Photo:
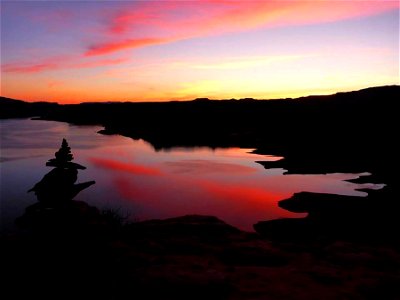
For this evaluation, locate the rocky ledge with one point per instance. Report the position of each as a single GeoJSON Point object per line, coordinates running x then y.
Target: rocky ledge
{"type": "Point", "coordinates": [96, 256]}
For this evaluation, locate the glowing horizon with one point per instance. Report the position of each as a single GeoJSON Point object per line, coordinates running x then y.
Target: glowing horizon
{"type": "Point", "coordinates": [72, 52]}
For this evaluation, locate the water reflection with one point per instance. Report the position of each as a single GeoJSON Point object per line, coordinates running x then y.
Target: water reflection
{"type": "Point", "coordinates": [227, 183]}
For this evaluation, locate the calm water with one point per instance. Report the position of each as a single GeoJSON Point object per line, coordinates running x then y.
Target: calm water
{"type": "Point", "coordinates": [131, 176]}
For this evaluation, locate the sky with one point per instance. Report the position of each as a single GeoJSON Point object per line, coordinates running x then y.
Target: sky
{"type": "Point", "coordinates": [78, 51]}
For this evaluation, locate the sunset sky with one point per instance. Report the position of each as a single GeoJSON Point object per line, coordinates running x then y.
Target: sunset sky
{"type": "Point", "coordinates": [72, 51]}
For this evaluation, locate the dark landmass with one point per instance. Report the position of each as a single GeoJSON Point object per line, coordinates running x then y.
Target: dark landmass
{"type": "Point", "coordinates": [11, 108]}
{"type": "Point", "coordinates": [75, 251]}
{"type": "Point", "coordinates": [334, 217]}
{"type": "Point", "coordinates": [345, 132]}
{"type": "Point", "coordinates": [342, 123]}
{"type": "Point", "coordinates": [346, 248]}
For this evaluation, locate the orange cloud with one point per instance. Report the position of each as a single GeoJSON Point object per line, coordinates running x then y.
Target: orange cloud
{"type": "Point", "coordinates": [54, 83]}
{"type": "Point", "coordinates": [172, 22]}
{"type": "Point", "coordinates": [125, 167]}
{"type": "Point", "coordinates": [100, 63]}
{"type": "Point", "coordinates": [28, 68]}
{"type": "Point", "coordinates": [57, 63]}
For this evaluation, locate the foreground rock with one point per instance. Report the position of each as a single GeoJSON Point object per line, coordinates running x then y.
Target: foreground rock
{"type": "Point", "coordinates": [189, 257]}
{"type": "Point", "coordinates": [367, 219]}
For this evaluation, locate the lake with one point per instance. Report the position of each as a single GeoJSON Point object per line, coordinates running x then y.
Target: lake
{"type": "Point", "coordinates": [134, 178]}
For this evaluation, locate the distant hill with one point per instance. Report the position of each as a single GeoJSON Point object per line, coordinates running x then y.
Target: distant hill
{"type": "Point", "coordinates": [11, 108]}
{"type": "Point", "coordinates": [352, 119]}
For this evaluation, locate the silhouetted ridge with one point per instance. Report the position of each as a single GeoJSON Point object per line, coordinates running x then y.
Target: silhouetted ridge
{"type": "Point", "coordinates": [11, 108]}
{"type": "Point", "coordinates": [340, 132]}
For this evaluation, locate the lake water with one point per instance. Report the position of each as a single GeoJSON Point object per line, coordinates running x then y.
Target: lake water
{"type": "Point", "coordinates": [146, 184]}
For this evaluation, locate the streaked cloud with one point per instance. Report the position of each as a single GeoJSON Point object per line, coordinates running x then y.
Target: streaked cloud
{"type": "Point", "coordinates": [122, 45]}
{"type": "Point", "coordinates": [58, 63]}
{"type": "Point", "coordinates": [186, 20]}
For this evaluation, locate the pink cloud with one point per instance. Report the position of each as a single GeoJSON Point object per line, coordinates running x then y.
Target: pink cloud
{"type": "Point", "coordinates": [162, 22]}
{"type": "Point", "coordinates": [28, 68]}
{"type": "Point", "coordinates": [168, 22]}
{"type": "Point", "coordinates": [125, 44]}
{"type": "Point", "coordinates": [146, 14]}
{"type": "Point", "coordinates": [57, 63]}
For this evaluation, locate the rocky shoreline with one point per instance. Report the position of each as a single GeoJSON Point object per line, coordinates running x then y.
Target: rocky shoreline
{"type": "Point", "coordinates": [91, 256]}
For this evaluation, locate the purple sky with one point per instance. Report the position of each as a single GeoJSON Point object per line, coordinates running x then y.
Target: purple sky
{"type": "Point", "coordinates": [72, 51]}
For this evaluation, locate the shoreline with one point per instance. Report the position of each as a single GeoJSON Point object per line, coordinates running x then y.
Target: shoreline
{"type": "Point", "coordinates": [190, 256]}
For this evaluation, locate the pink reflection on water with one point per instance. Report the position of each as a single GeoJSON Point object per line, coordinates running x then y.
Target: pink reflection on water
{"type": "Point", "coordinates": [199, 166]}
{"type": "Point", "coordinates": [227, 183]}
{"type": "Point", "coordinates": [124, 167]}
{"type": "Point", "coordinates": [131, 175]}
{"type": "Point", "coordinates": [173, 196]}
{"type": "Point", "coordinates": [224, 182]}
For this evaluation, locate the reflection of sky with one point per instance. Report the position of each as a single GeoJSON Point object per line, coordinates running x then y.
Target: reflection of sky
{"type": "Point", "coordinates": [24, 138]}
{"type": "Point", "coordinates": [130, 175]}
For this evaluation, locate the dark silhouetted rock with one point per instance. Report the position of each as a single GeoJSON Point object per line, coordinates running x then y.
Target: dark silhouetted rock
{"type": "Point", "coordinates": [67, 217]}
{"type": "Point", "coordinates": [293, 229]}
{"type": "Point", "coordinates": [63, 158]}
{"type": "Point", "coordinates": [318, 203]}
{"type": "Point", "coordinates": [58, 185]}
{"type": "Point", "coordinates": [191, 225]}
{"type": "Point", "coordinates": [335, 217]}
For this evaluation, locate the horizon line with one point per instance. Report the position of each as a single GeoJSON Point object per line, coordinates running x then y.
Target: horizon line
{"type": "Point", "coordinates": [204, 98]}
